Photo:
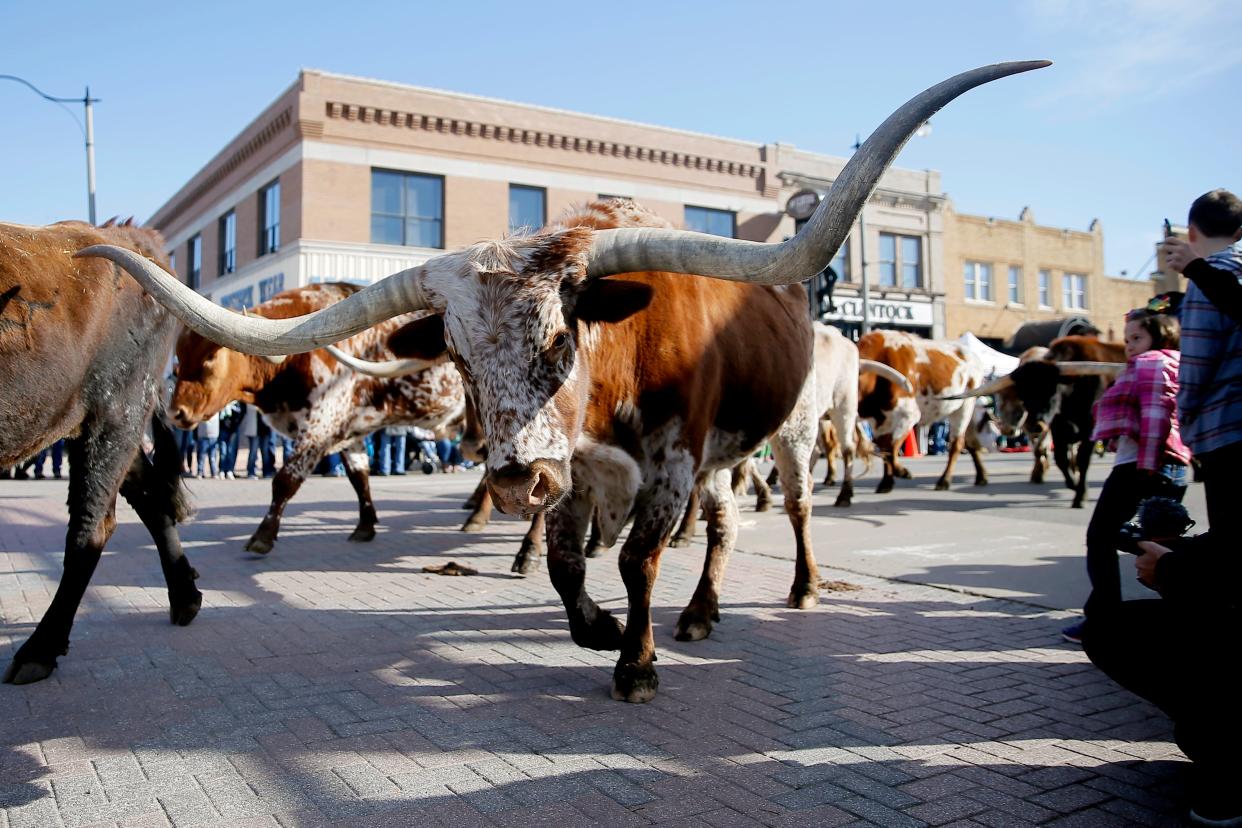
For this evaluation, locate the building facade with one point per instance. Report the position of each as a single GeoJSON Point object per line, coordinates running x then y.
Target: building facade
{"type": "Point", "coordinates": [1002, 274]}
{"type": "Point", "coordinates": [350, 179]}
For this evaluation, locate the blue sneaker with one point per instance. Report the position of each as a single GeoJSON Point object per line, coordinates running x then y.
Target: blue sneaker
{"type": "Point", "coordinates": [1073, 633]}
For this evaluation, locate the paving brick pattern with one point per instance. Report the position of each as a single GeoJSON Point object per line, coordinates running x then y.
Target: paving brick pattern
{"type": "Point", "coordinates": [335, 683]}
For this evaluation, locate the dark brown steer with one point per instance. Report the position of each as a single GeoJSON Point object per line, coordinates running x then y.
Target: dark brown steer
{"type": "Point", "coordinates": [82, 356]}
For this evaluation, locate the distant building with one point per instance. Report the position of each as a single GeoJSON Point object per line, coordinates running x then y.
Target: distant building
{"type": "Point", "coordinates": [1005, 273]}
{"type": "Point", "coordinates": [350, 179]}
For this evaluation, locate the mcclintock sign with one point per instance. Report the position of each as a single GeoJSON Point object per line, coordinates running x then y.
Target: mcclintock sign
{"type": "Point", "coordinates": [884, 311]}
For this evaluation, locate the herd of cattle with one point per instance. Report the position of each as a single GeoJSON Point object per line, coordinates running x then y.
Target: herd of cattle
{"type": "Point", "coordinates": [597, 402]}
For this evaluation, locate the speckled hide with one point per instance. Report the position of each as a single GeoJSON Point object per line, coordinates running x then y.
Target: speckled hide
{"type": "Point", "coordinates": [935, 370]}
{"type": "Point", "coordinates": [321, 404]}
{"type": "Point", "coordinates": [82, 354]}
{"type": "Point", "coordinates": [615, 397]}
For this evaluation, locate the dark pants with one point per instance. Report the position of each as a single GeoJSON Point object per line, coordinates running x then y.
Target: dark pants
{"type": "Point", "coordinates": [254, 445]}
{"type": "Point", "coordinates": [1219, 471]}
{"type": "Point", "coordinates": [228, 450]}
{"type": "Point", "coordinates": [1123, 491]}
{"type": "Point", "coordinates": [1180, 659]}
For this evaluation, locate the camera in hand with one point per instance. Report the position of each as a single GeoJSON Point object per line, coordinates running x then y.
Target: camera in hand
{"type": "Point", "coordinates": [1158, 518]}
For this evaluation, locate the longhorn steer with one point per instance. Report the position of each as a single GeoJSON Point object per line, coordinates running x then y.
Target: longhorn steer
{"type": "Point", "coordinates": [1057, 391]}
{"type": "Point", "coordinates": [934, 370]}
{"type": "Point", "coordinates": [621, 392]}
{"type": "Point", "coordinates": [82, 356]}
{"type": "Point", "coordinates": [314, 399]}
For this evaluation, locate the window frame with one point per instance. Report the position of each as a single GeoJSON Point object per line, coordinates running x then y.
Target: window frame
{"type": "Point", "coordinates": [1074, 285]}
{"type": "Point", "coordinates": [1014, 286]}
{"type": "Point", "coordinates": [404, 175]}
{"type": "Point", "coordinates": [898, 262]}
{"type": "Point", "coordinates": [269, 234]}
{"type": "Point", "coordinates": [709, 212]}
{"type": "Point", "coordinates": [1044, 285]}
{"type": "Point", "coordinates": [971, 281]}
{"type": "Point", "coordinates": [194, 263]}
{"type": "Point", "coordinates": [543, 207]}
{"type": "Point", "coordinates": [226, 255]}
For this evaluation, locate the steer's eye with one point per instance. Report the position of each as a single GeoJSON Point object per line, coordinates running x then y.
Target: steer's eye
{"type": "Point", "coordinates": [559, 343]}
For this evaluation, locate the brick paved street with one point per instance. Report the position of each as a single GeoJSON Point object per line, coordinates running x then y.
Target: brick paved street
{"type": "Point", "coordinates": [335, 683]}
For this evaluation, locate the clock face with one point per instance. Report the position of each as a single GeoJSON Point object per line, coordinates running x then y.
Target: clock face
{"type": "Point", "coordinates": [802, 204]}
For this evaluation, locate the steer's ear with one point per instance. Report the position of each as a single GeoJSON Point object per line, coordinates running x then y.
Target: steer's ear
{"type": "Point", "coordinates": [420, 339]}
{"type": "Point", "coordinates": [611, 300]}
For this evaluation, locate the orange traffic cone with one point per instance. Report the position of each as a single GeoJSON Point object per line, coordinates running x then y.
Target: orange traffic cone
{"type": "Point", "coordinates": [910, 448]}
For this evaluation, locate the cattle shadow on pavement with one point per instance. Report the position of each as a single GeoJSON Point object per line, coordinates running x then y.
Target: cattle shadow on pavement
{"type": "Point", "coordinates": [329, 682]}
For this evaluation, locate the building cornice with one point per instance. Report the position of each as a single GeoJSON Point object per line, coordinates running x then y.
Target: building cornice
{"type": "Point", "coordinates": [383, 118]}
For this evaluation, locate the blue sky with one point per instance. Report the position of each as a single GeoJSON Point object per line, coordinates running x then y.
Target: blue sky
{"type": "Point", "coordinates": [1139, 114]}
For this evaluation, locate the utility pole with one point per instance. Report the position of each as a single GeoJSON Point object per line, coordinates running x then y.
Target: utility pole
{"type": "Point", "coordinates": [88, 132]}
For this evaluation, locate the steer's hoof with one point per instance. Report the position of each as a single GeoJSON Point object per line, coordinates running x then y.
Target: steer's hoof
{"type": "Point", "coordinates": [680, 541]}
{"type": "Point", "coordinates": [633, 683]}
{"type": "Point", "coordinates": [181, 611]}
{"type": "Point", "coordinates": [846, 496]}
{"type": "Point", "coordinates": [1077, 504]}
{"type": "Point", "coordinates": [981, 481]}
{"type": "Point", "coordinates": [803, 597]}
{"type": "Point", "coordinates": [942, 485]}
{"type": "Point", "coordinates": [474, 525]}
{"type": "Point", "coordinates": [28, 672]}
{"type": "Point", "coordinates": [604, 633]}
{"type": "Point", "coordinates": [886, 486]}
{"type": "Point", "coordinates": [694, 624]}
{"type": "Point", "coordinates": [258, 545]}
{"type": "Point", "coordinates": [903, 473]}
{"type": "Point", "coordinates": [363, 534]}
{"type": "Point", "coordinates": [527, 559]}
{"type": "Point", "coordinates": [594, 549]}
{"type": "Point", "coordinates": [763, 504]}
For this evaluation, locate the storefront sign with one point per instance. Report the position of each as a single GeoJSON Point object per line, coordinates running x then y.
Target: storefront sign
{"type": "Point", "coordinates": [884, 311]}
{"type": "Point", "coordinates": [802, 204]}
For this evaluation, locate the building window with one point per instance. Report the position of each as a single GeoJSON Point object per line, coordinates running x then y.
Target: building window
{"type": "Point", "coordinates": [715, 222]}
{"type": "Point", "coordinates": [269, 218]}
{"type": "Point", "coordinates": [978, 281]}
{"type": "Point", "coordinates": [172, 261]}
{"type": "Point", "coordinates": [841, 262]}
{"type": "Point", "coordinates": [1015, 285]}
{"type": "Point", "coordinates": [901, 261]}
{"type": "Point", "coordinates": [227, 227]}
{"type": "Point", "coordinates": [1074, 291]}
{"type": "Point", "coordinates": [1045, 289]}
{"type": "Point", "coordinates": [407, 208]}
{"type": "Point", "coordinates": [194, 261]}
{"type": "Point", "coordinates": [527, 208]}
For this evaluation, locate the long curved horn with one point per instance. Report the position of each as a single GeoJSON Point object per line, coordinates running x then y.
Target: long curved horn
{"type": "Point", "coordinates": [632, 250]}
{"type": "Point", "coordinates": [274, 360]}
{"type": "Point", "coordinates": [399, 293]}
{"type": "Point", "coordinates": [1090, 369]}
{"type": "Point", "coordinates": [386, 370]}
{"type": "Point", "coordinates": [887, 371]}
{"type": "Point", "coordinates": [989, 387]}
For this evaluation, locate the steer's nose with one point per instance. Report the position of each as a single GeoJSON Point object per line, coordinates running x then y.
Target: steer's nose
{"type": "Point", "coordinates": [525, 490]}
{"type": "Point", "coordinates": [180, 416]}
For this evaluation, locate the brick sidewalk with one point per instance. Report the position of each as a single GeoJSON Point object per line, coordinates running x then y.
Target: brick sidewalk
{"type": "Point", "coordinates": [334, 683]}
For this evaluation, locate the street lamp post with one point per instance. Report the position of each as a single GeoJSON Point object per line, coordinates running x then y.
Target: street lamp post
{"type": "Point", "coordinates": [88, 132]}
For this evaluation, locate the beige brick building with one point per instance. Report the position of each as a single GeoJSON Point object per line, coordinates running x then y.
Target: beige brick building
{"type": "Point", "coordinates": [345, 178]}
{"type": "Point", "coordinates": [1002, 273]}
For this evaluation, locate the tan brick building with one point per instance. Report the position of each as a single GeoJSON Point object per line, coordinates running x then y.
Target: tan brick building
{"type": "Point", "coordinates": [345, 178]}
{"type": "Point", "coordinates": [1002, 273]}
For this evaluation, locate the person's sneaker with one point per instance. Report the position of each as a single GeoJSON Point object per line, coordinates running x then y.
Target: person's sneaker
{"type": "Point", "coordinates": [1073, 633]}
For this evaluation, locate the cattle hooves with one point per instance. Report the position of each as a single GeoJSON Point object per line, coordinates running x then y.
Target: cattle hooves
{"type": "Point", "coordinates": [472, 526]}
{"type": "Point", "coordinates": [981, 481]}
{"type": "Point", "coordinates": [594, 549]}
{"type": "Point", "coordinates": [27, 672]}
{"type": "Point", "coordinates": [634, 684]}
{"type": "Point", "coordinates": [527, 559]}
{"type": "Point", "coordinates": [844, 500]}
{"type": "Point", "coordinates": [259, 546]}
{"type": "Point", "coordinates": [679, 542]}
{"type": "Point", "coordinates": [803, 597]}
{"type": "Point", "coordinates": [182, 612]}
{"type": "Point", "coordinates": [363, 534]}
{"type": "Point", "coordinates": [942, 485]}
{"type": "Point", "coordinates": [886, 486]}
{"type": "Point", "coordinates": [693, 626]}
{"type": "Point", "coordinates": [903, 473]}
{"type": "Point", "coordinates": [1077, 504]}
{"type": "Point", "coordinates": [604, 633]}
{"type": "Point", "coordinates": [763, 505]}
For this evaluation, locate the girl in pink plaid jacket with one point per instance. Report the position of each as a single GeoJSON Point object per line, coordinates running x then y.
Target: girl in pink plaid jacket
{"type": "Point", "coordinates": [1138, 416]}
